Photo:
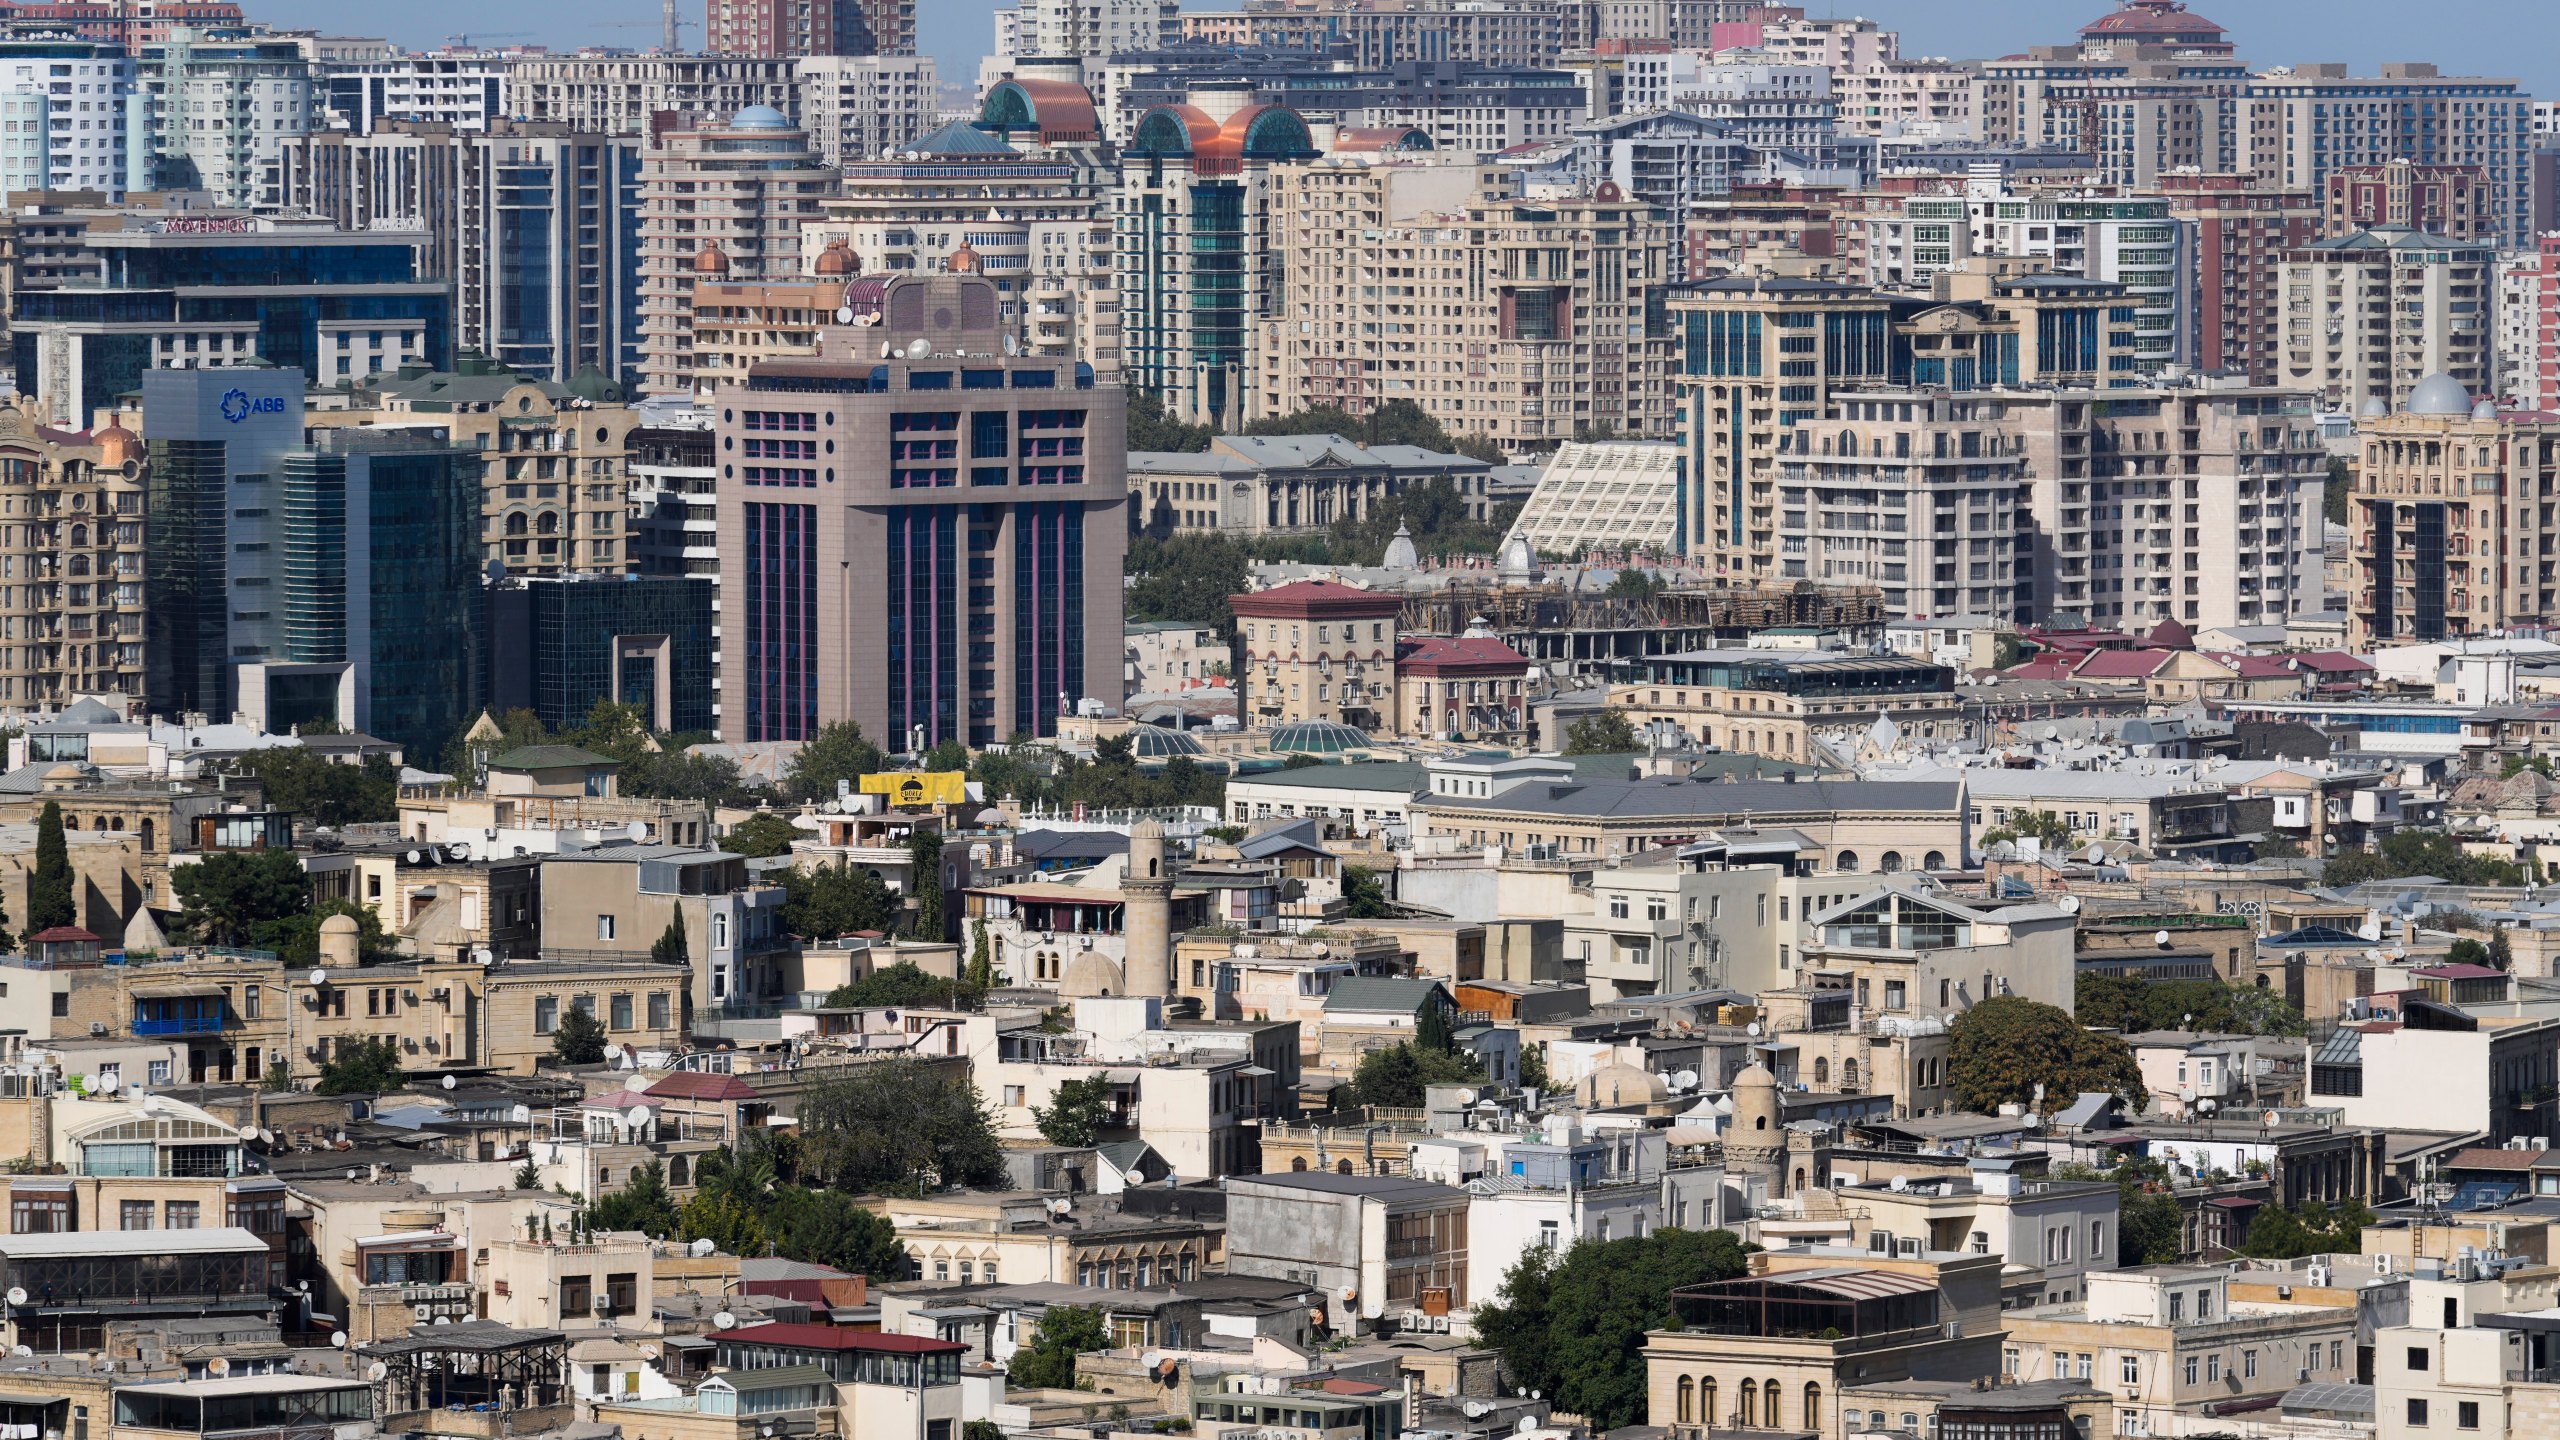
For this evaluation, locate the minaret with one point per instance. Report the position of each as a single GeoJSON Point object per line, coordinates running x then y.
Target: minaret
{"type": "Point", "coordinates": [1147, 917]}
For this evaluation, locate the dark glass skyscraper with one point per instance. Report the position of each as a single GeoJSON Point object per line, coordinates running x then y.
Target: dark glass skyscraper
{"type": "Point", "coordinates": [216, 441]}
{"type": "Point", "coordinates": [559, 643]}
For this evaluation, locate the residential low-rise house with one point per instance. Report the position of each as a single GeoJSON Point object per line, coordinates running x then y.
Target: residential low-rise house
{"type": "Point", "coordinates": [1376, 1245]}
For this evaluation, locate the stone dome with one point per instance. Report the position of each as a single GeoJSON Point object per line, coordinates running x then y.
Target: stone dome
{"type": "Point", "coordinates": [1519, 561]}
{"type": "Point", "coordinates": [1400, 552]}
{"type": "Point", "coordinates": [965, 261]}
{"type": "Point", "coordinates": [835, 260]}
{"type": "Point", "coordinates": [2374, 409]}
{"type": "Point", "coordinates": [2439, 394]}
{"type": "Point", "coordinates": [2485, 410]}
{"type": "Point", "coordinates": [340, 924]}
{"type": "Point", "coordinates": [759, 117]}
{"type": "Point", "coordinates": [711, 260]}
{"type": "Point", "coordinates": [116, 444]}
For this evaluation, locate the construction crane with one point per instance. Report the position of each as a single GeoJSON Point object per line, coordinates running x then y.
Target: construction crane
{"type": "Point", "coordinates": [463, 42]}
{"type": "Point", "coordinates": [667, 26]}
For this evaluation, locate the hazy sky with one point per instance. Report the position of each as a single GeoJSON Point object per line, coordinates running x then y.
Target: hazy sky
{"type": "Point", "coordinates": [2519, 38]}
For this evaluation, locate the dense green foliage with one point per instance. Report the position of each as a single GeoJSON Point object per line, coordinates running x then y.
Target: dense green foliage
{"type": "Point", "coordinates": [49, 890]}
{"type": "Point", "coordinates": [367, 1067]}
{"type": "Point", "coordinates": [1363, 894]}
{"type": "Point", "coordinates": [2040, 825]}
{"type": "Point", "coordinates": [2277, 1233]}
{"type": "Point", "coordinates": [1111, 780]}
{"type": "Point", "coordinates": [2150, 1229]}
{"type": "Point", "coordinates": [904, 986]}
{"type": "Point", "coordinates": [760, 1199]}
{"type": "Point", "coordinates": [239, 897]}
{"type": "Point", "coordinates": [642, 1204]}
{"type": "Point", "coordinates": [296, 938]}
{"type": "Point", "coordinates": [579, 1040]}
{"type": "Point", "coordinates": [924, 868]}
{"type": "Point", "coordinates": [1608, 732]}
{"type": "Point", "coordinates": [766, 832]}
{"type": "Point", "coordinates": [1573, 1326]}
{"type": "Point", "coordinates": [2421, 852]}
{"type": "Point", "coordinates": [839, 751]}
{"type": "Point", "coordinates": [1151, 430]}
{"type": "Point", "coordinates": [671, 947]}
{"type": "Point", "coordinates": [1078, 1113]}
{"type": "Point", "coordinates": [2003, 1048]}
{"type": "Point", "coordinates": [2498, 954]}
{"type": "Point", "coordinates": [897, 1127]}
{"type": "Point", "coordinates": [315, 788]}
{"type": "Point", "coordinates": [2124, 1003]}
{"type": "Point", "coordinates": [1049, 1361]}
{"type": "Point", "coordinates": [823, 902]}
{"type": "Point", "coordinates": [649, 764]}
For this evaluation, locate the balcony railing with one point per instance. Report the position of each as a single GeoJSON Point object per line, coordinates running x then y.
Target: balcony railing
{"type": "Point", "coordinates": [183, 1025]}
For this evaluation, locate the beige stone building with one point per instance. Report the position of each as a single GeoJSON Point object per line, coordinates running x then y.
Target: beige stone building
{"type": "Point", "coordinates": [553, 476]}
{"type": "Point", "coordinates": [1318, 650]}
{"type": "Point", "coordinates": [720, 202]}
{"type": "Point", "coordinates": [1522, 321]}
{"type": "Point", "coordinates": [2435, 550]}
{"type": "Point", "coordinates": [71, 538]}
{"type": "Point", "coordinates": [1853, 824]}
{"type": "Point", "coordinates": [640, 1003]}
{"type": "Point", "coordinates": [2369, 315]}
{"type": "Point", "coordinates": [1016, 1238]}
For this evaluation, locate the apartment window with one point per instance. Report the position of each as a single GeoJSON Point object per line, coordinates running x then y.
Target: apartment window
{"type": "Point", "coordinates": [1013, 1096]}
{"type": "Point", "coordinates": [621, 1012]}
{"type": "Point", "coordinates": [2418, 1412]}
{"type": "Point", "coordinates": [2191, 1370]}
{"type": "Point", "coordinates": [621, 1293]}
{"type": "Point", "coordinates": [658, 1018]}
{"type": "Point", "coordinates": [2129, 1369]}
{"type": "Point", "coordinates": [48, 1214]}
{"type": "Point", "coordinates": [1893, 995]}
{"type": "Point", "coordinates": [546, 1014]}
{"type": "Point", "coordinates": [2009, 1361]}
{"type": "Point", "coordinates": [159, 1072]}
{"type": "Point", "coordinates": [604, 927]}
{"type": "Point", "coordinates": [2213, 1369]}
{"type": "Point", "coordinates": [2417, 1357]}
{"type": "Point", "coordinates": [181, 1214]}
{"type": "Point", "coordinates": [2466, 1414]}
{"type": "Point", "coordinates": [577, 1295]}
{"type": "Point", "coordinates": [133, 1215]}
{"type": "Point", "coordinates": [2248, 1364]}
{"type": "Point", "coordinates": [249, 1002]}
{"type": "Point", "coordinates": [1548, 1233]}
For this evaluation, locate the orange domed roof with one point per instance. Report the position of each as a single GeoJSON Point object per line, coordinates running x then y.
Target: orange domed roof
{"type": "Point", "coordinates": [836, 259]}
{"type": "Point", "coordinates": [712, 260]}
{"type": "Point", "coordinates": [965, 261]}
{"type": "Point", "coordinates": [116, 444]}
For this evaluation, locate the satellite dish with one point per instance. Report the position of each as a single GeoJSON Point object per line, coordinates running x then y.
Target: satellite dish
{"type": "Point", "coordinates": [17, 1295]}
{"type": "Point", "coordinates": [521, 1115]}
{"type": "Point", "coordinates": [638, 1115]}
{"type": "Point", "coordinates": [319, 977]}
{"type": "Point", "coordinates": [919, 348]}
{"type": "Point", "coordinates": [1901, 1183]}
{"type": "Point", "coordinates": [459, 849]}
{"type": "Point", "coordinates": [1751, 1029]}
{"type": "Point", "coordinates": [218, 1365]}
{"type": "Point", "coordinates": [704, 1247]}
{"type": "Point", "coordinates": [844, 314]}
{"type": "Point", "coordinates": [448, 1082]}
{"type": "Point", "coordinates": [338, 1339]}
{"type": "Point", "coordinates": [635, 832]}
{"type": "Point", "coordinates": [2271, 1119]}
{"type": "Point", "coordinates": [724, 1321]}
{"type": "Point", "coordinates": [106, 1084]}
{"type": "Point", "coordinates": [376, 1371]}
{"type": "Point", "coordinates": [248, 1132]}
{"type": "Point", "coordinates": [1350, 1293]}
{"type": "Point", "coordinates": [266, 1136]}
{"type": "Point", "coordinates": [2160, 938]}
{"type": "Point", "coordinates": [1152, 1359]}
{"type": "Point", "coordinates": [649, 1352]}
{"type": "Point", "coordinates": [2069, 904]}
{"type": "Point", "coordinates": [1476, 1409]}
{"type": "Point", "coordinates": [1466, 1097]}
{"type": "Point", "coordinates": [444, 1319]}
{"type": "Point", "coordinates": [1685, 1080]}
{"type": "Point", "coordinates": [24, 1350]}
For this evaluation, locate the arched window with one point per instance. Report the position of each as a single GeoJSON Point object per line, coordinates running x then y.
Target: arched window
{"type": "Point", "coordinates": [1688, 1401]}
{"type": "Point", "coordinates": [1342, 1167]}
{"type": "Point", "coordinates": [1934, 860]}
{"type": "Point", "coordinates": [547, 524]}
{"type": "Point", "coordinates": [1891, 863]}
{"type": "Point", "coordinates": [1769, 1398]}
{"type": "Point", "coordinates": [1821, 1069]}
{"type": "Point", "coordinates": [719, 932]}
{"type": "Point", "coordinates": [1759, 1122]}
{"type": "Point", "coordinates": [1848, 862]}
{"type": "Point", "coordinates": [1707, 1401]}
{"type": "Point", "coordinates": [1747, 1408]}
{"type": "Point", "coordinates": [1298, 1163]}
{"type": "Point", "coordinates": [1849, 1075]}
{"type": "Point", "coordinates": [679, 1170]}
{"type": "Point", "coordinates": [1812, 1419]}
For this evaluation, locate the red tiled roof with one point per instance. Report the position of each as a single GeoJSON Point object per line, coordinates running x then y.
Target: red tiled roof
{"type": "Point", "coordinates": [1458, 651]}
{"type": "Point", "coordinates": [696, 1085]}
{"type": "Point", "coordinates": [2460, 972]}
{"type": "Point", "coordinates": [838, 1337]}
{"type": "Point", "coordinates": [2489, 1157]}
{"type": "Point", "coordinates": [1353, 1387]}
{"type": "Point", "coordinates": [62, 935]}
{"type": "Point", "coordinates": [2122, 664]}
{"type": "Point", "coordinates": [1302, 597]}
{"type": "Point", "coordinates": [2333, 661]}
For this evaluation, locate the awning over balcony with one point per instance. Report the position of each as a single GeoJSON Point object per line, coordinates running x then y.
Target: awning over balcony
{"type": "Point", "coordinates": [201, 990]}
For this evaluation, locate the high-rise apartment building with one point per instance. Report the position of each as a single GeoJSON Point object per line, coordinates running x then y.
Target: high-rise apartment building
{"type": "Point", "coordinates": [464, 91]}
{"type": "Point", "coordinates": [1918, 495]}
{"type": "Point", "coordinates": [1496, 33]}
{"type": "Point", "coordinates": [2529, 326]}
{"type": "Point", "coordinates": [2239, 234]}
{"type": "Point", "coordinates": [1026, 191]}
{"type": "Point", "coordinates": [789, 29]}
{"type": "Point", "coordinates": [536, 225]}
{"type": "Point", "coordinates": [637, 94]}
{"type": "Point", "coordinates": [1094, 30]}
{"type": "Point", "coordinates": [2309, 122]}
{"type": "Point", "coordinates": [2454, 201]}
{"type": "Point", "coordinates": [928, 542]}
{"type": "Point", "coordinates": [1197, 260]}
{"type": "Point", "coordinates": [122, 22]}
{"type": "Point", "coordinates": [2449, 520]}
{"type": "Point", "coordinates": [217, 114]}
{"type": "Point", "coordinates": [866, 107]}
{"type": "Point", "coordinates": [203, 290]}
{"type": "Point", "coordinates": [2368, 315]}
{"type": "Point", "coordinates": [67, 111]}
{"type": "Point", "coordinates": [718, 202]}
{"type": "Point", "coordinates": [72, 542]}
{"type": "Point", "coordinates": [1416, 279]}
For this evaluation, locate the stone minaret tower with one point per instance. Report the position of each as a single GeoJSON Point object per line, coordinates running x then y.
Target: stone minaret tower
{"type": "Point", "coordinates": [1147, 923]}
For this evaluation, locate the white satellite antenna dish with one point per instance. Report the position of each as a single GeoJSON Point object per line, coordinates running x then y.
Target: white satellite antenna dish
{"type": "Point", "coordinates": [2160, 938]}
{"type": "Point", "coordinates": [724, 1321]}
{"type": "Point", "coordinates": [248, 1132]}
{"type": "Point", "coordinates": [218, 1365]}
{"type": "Point", "coordinates": [1685, 1080]}
{"type": "Point", "coordinates": [17, 1295]}
{"type": "Point", "coordinates": [635, 832]}
{"type": "Point", "coordinates": [266, 1136]}
{"type": "Point", "coordinates": [1476, 1409]}
{"type": "Point", "coordinates": [1527, 1424]}
{"type": "Point", "coordinates": [448, 1082]}
{"type": "Point", "coordinates": [1901, 1184]}
{"type": "Point", "coordinates": [2069, 904]}
{"type": "Point", "coordinates": [638, 1115]}
{"type": "Point", "coordinates": [24, 1350]}
{"type": "Point", "coordinates": [844, 314]}
{"type": "Point", "coordinates": [1152, 1359]}
{"type": "Point", "coordinates": [521, 1115]}
{"type": "Point", "coordinates": [338, 1339]}
{"type": "Point", "coordinates": [319, 977]}
{"type": "Point", "coordinates": [1751, 1029]}
{"type": "Point", "coordinates": [704, 1247]}
{"type": "Point", "coordinates": [377, 1371]}
{"type": "Point", "coordinates": [107, 1084]}
{"type": "Point", "coordinates": [649, 1352]}
{"type": "Point", "coordinates": [444, 1319]}
{"type": "Point", "coordinates": [919, 348]}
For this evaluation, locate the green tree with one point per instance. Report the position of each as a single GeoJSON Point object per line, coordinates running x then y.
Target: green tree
{"type": "Point", "coordinates": [232, 897]}
{"type": "Point", "coordinates": [2467, 951]}
{"type": "Point", "coordinates": [279, 1076]}
{"type": "Point", "coordinates": [822, 902]}
{"type": "Point", "coordinates": [1533, 1067]}
{"type": "Point", "coordinates": [1049, 1361]}
{"type": "Point", "coordinates": [1151, 430]}
{"type": "Point", "coordinates": [829, 1227]}
{"type": "Point", "coordinates": [2333, 492]}
{"type": "Point", "coordinates": [1431, 1029]}
{"type": "Point", "coordinates": [671, 947]}
{"type": "Point", "coordinates": [1363, 895]}
{"type": "Point", "coordinates": [324, 791]}
{"type": "Point", "coordinates": [1574, 1326]}
{"type": "Point", "coordinates": [1396, 1076]}
{"type": "Point", "coordinates": [367, 1067]}
{"type": "Point", "coordinates": [2405, 853]}
{"type": "Point", "coordinates": [1078, 1113]}
{"type": "Point", "coordinates": [981, 1430]}
{"type": "Point", "coordinates": [898, 1126]}
{"type": "Point", "coordinates": [2149, 1227]}
{"type": "Point", "coordinates": [924, 865]}
{"type": "Point", "coordinates": [2130, 1004]}
{"type": "Point", "coordinates": [2278, 1233]}
{"type": "Point", "coordinates": [528, 1176]}
{"type": "Point", "coordinates": [766, 832]}
{"type": "Point", "coordinates": [1636, 583]}
{"type": "Point", "coordinates": [49, 890]}
{"type": "Point", "coordinates": [579, 1040]}
{"type": "Point", "coordinates": [982, 957]}
{"type": "Point", "coordinates": [2502, 953]}
{"type": "Point", "coordinates": [839, 751]}
{"type": "Point", "coordinates": [643, 1203]}
{"type": "Point", "coordinates": [2004, 1047]}
{"type": "Point", "coordinates": [296, 938]}
{"type": "Point", "coordinates": [2040, 825]}
{"type": "Point", "coordinates": [2515, 765]}
{"type": "Point", "coordinates": [1607, 732]}
{"type": "Point", "coordinates": [903, 986]}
